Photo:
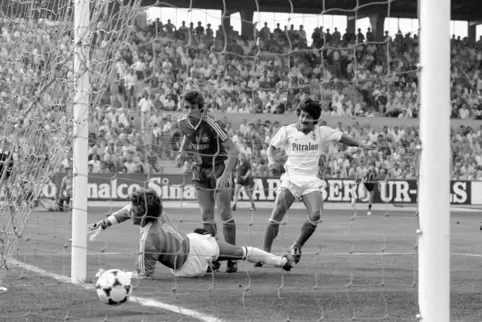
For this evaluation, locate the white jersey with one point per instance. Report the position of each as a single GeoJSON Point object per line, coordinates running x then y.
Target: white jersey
{"type": "Point", "coordinates": [304, 150]}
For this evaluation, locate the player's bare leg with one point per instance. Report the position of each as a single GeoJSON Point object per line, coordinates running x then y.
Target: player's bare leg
{"type": "Point", "coordinates": [223, 200]}
{"type": "Point", "coordinates": [3, 182]}
{"type": "Point", "coordinates": [3, 174]}
{"type": "Point", "coordinates": [253, 255]}
{"type": "Point", "coordinates": [283, 202]}
{"type": "Point", "coordinates": [249, 193]}
{"type": "Point", "coordinates": [371, 194]}
{"type": "Point", "coordinates": [207, 204]}
{"type": "Point", "coordinates": [354, 193]}
{"type": "Point", "coordinates": [237, 189]}
{"type": "Point", "coordinates": [314, 203]}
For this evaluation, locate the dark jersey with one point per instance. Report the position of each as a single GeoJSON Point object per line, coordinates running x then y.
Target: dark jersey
{"type": "Point", "coordinates": [206, 139]}
{"type": "Point", "coordinates": [242, 168]}
{"type": "Point", "coordinates": [370, 176]}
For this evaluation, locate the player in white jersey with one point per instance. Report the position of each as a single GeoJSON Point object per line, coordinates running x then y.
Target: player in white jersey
{"type": "Point", "coordinates": [304, 143]}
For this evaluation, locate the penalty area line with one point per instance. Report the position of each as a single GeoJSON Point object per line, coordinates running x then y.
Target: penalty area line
{"type": "Point", "coordinates": [144, 301]}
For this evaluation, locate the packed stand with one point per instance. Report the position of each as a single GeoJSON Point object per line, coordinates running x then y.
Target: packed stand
{"type": "Point", "coordinates": [396, 158]}
{"type": "Point", "coordinates": [131, 130]}
{"type": "Point", "coordinates": [352, 74]}
{"type": "Point", "coordinates": [164, 61]}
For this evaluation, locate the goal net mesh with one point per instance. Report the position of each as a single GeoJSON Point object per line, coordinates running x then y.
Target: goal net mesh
{"type": "Point", "coordinates": [37, 90]}
{"type": "Point", "coordinates": [355, 267]}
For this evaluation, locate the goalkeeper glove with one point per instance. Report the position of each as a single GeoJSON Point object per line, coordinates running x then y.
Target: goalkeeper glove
{"type": "Point", "coordinates": [96, 229]}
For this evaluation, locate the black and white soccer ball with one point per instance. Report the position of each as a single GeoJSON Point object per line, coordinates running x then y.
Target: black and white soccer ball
{"type": "Point", "coordinates": [114, 287]}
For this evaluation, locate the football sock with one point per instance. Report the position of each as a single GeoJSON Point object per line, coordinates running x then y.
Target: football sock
{"type": "Point", "coordinates": [229, 231]}
{"type": "Point", "coordinates": [269, 235]}
{"type": "Point", "coordinates": [254, 255]}
{"type": "Point", "coordinates": [306, 231]}
{"type": "Point", "coordinates": [210, 228]}
{"type": "Point", "coordinates": [370, 207]}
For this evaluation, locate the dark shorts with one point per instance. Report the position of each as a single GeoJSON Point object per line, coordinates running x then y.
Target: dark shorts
{"type": "Point", "coordinates": [370, 186]}
{"type": "Point", "coordinates": [247, 183]}
{"type": "Point", "coordinates": [205, 177]}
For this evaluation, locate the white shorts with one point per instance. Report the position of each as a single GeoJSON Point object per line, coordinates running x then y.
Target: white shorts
{"type": "Point", "coordinates": [300, 184]}
{"type": "Point", "coordinates": [202, 250]}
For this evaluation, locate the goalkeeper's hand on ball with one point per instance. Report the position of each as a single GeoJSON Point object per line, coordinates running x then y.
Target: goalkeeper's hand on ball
{"type": "Point", "coordinates": [95, 229]}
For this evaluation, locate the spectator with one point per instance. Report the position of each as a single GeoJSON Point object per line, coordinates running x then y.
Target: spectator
{"type": "Point", "coordinates": [130, 131]}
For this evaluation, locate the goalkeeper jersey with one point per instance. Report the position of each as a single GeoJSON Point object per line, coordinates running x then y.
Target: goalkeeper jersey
{"type": "Point", "coordinates": [160, 237]}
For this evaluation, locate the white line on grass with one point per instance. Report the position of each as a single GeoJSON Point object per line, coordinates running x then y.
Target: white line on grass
{"type": "Point", "coordinates": [144, 301]}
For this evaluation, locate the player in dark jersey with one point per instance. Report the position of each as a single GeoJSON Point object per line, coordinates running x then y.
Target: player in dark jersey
{"type": "Point", "coordinates": [370, 183]}
{"type": "Point", "coordinates": [6, 161]}
{"type": "Point", "coordinates": [6, 165]}
{"type": "Point", "coordinates": [244, 178]}
{"type": "Point", "coordinates": [187, 255]}
{"type": "Point", "coordinates": [213, 173]}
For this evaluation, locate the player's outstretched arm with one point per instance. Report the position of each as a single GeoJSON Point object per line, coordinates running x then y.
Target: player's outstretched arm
{"type": "Point", "coordinates": [114, 218]}
{"type": "Point", "coordinates": [348, 140]}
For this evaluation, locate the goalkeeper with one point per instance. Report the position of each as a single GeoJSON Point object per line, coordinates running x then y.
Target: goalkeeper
{"type": "Point", "coordinates": [187, 255]}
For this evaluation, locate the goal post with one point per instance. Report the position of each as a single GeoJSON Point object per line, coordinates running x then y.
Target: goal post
{"type": "Point", "coordinates": [434, 203]}
{"type": "Point", "coordinates": [80, 140]}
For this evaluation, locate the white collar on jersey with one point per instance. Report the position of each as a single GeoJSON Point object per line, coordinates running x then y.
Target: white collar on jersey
{"type": "Point", "coordinates": [195, 127]}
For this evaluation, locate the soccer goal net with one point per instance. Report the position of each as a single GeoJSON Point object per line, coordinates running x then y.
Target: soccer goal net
{"type": "Point", "coordinates": [253, 67]}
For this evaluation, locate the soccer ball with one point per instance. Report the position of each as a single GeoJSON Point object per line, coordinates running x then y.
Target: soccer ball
{"type": "Point", "coordinates": [114, 287]}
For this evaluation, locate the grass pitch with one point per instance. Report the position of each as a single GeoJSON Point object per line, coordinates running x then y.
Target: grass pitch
{"type": "Point", "coordinates": [351, 270]}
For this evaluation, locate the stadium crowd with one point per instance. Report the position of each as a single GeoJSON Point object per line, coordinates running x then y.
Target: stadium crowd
{"type": "Point", "coordinates": [131, 130]}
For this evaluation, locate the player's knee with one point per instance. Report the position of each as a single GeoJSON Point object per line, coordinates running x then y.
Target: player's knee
{"type": "Point", "coordinates": [224, 208]}
{"type": "Point", "coordinates": [315, 217]}
{"type": "Point", "coordinates": [283, 201]}
{"type": "Point", "coordinates": [274, 222]}
{"type": "Point", "coordinates": [207, 215]}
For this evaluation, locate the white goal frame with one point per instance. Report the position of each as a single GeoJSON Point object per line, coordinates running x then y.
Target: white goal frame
{"type": "Point", "coordinates": [434, 206]}
{"type": "Point", "coordinates": [80, 141]}
{"type": "Point", "coordinates": [434, 183]}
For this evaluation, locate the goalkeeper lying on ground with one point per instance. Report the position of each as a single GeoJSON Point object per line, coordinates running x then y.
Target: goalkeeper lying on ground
{"type": "Point", "coordinates": [186, 255]}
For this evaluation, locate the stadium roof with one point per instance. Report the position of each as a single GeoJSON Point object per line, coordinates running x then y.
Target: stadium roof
{"type": "Point", "coordinates": [470, 10]}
